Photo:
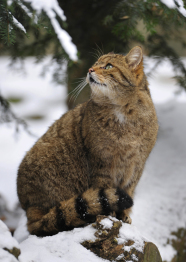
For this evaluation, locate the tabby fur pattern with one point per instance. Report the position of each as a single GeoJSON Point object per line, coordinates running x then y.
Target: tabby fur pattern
{"type": "Point", "coordinates": [91, 159]}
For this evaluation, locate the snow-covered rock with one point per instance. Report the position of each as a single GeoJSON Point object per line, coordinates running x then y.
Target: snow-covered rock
{"type": "Point", "coordinates": [117, 241]}
{"type": "Point", "coordinates": [63, 247]}
{"type": "Point", "coordinates": [107, 240]}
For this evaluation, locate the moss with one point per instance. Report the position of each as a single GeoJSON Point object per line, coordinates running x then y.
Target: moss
{"type": "Point", "coordinates": [35, 117]}
{"type": "Point", "coordinates": [15, 100]}
{"type": "Point", "coordinates": [104, 233]}
{"type": "Point", "coordinates": [116, 224]}
{"type": "Point", "coordinates": [14, 251]}
{"type": "Point", "coordinates": [151, 253]}
{"type": "Point", "coordinates": [179, 245]}
{"type": "Point", "coordinates": [106, 245]}
{"type": "Point", "coordinates": [115, 241]}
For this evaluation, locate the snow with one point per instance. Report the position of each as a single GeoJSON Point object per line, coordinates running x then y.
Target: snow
{"type": "Point", "coordinates": [160, 199]}
{"type": "Point", "coordinates": [134, 257]}
{"type": "Point", "coordinates": [5, 256]}
{"type": "Point", "coordinates": [171, 4]}
{"type": "Point", "coordinates": [106, 223]}
{"type": "Point", "coordinates": [51, 8]}
{"type": "Point", "coordinates": [18, 24]}
{"type": "Point", "coordinates": [64, 247]}
{"type": "Point", "coordinates": [21, 233]}
{"type": "Point", "coordinates": [6, 241]}
{"type": "Point", "coordinates": [27, 11]}
{"type": "Point", "coordinates": [39, 96]}
{"type": "Point", "coordinates": [130, 232]}
{"type": "Point", "coordinates": [64, 39]}
{"type": "Point", "coordinates": [50, 247]}
{"type": "Point", "coordinates": [163, 86]}
{"type": "Point", "coordinates": [161, 191]}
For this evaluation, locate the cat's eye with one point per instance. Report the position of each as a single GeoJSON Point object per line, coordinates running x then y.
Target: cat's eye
{"type": "Point", "coordinates": [108, 66]}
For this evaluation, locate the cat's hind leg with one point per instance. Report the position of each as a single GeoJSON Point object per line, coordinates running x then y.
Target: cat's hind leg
{"type": "Point", "coordinates": [77, 211]}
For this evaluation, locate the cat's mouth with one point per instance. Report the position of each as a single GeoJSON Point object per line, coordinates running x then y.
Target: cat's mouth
{"type": "Point", "coordinates": [93, 81]}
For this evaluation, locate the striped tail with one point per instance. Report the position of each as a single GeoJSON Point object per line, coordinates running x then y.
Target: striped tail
{"type": "Point", "coordinates": [77, 211]}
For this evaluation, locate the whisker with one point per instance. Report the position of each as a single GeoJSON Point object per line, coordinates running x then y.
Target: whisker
{"type": "Point", "coordinates": [77, 90]}
{"type": "Point", "coordinates": [98, 53]}
{"type": "Point", "coordinates": [94, 55]}
{"type": "Point", "coordinates": [101, 51]}
{"type": "Point", "coordinates": [79, 79]}
{"type": "Point", "coordinates": [77, 87]}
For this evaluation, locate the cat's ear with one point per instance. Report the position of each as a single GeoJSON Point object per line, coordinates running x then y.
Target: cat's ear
{"type": "Point", "coordinates": [134, 57]}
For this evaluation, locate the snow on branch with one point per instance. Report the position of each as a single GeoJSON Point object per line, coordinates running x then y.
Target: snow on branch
{"type": "Point", "coordinates": [175, 4]}
{"type": "Point", "coordinates": [27, 11]}
{"type": "Point", "coordinates": [51, 8]}
{"type": "Point", "coordinates": [18, 24]}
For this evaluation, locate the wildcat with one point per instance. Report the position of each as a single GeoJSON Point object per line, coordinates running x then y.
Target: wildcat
{"type": "Point", "coordinates": [91, 159]}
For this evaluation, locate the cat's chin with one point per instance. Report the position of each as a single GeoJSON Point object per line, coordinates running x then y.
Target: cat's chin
{"type": "Point", "coordinates": [87, 79]}
{"type": "Point", "coordinates": [93, 82]}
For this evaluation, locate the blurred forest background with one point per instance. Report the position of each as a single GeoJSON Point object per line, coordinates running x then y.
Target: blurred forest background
{"type": "Point", "coordinates": [63, 38]}
{"type": "Point", "coordinates": [98, 26]}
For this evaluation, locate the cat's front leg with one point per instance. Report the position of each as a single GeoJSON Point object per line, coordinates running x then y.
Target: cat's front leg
{"type": "Point", "coordinates": [125, 216]}
{"type": "Point", "coordinates": [113, 214]}
{"type": "Point", "coordinates": [129, 189]}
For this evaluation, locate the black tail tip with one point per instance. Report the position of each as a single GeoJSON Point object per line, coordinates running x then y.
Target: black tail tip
{"type": "Point", "coordinates": [124, 200]}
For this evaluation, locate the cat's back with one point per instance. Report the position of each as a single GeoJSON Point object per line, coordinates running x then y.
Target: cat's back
{"type": "Point", "coordinates": [55, 163]}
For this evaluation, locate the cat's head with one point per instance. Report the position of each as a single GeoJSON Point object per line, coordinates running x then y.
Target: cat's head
{"type": "Point", "coordinates": [114, 76]}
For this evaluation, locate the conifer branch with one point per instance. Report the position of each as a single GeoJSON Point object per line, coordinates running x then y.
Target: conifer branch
{"type": "Point", "coordinates": [7, 116]}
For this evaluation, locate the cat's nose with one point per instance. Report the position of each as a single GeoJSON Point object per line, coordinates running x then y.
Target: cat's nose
{"type": "Point", "coordinates": [91, 70]}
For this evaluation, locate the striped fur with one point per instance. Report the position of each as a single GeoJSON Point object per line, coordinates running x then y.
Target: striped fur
{"type": "Point", "coordinates": [77, 211]}
{"type": "Point", "coordinates": [90, 160]}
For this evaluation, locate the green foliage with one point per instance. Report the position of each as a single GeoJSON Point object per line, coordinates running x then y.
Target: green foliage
{"type": "Point", "coordinates": [6, 115]}
{"type": "Point", "coordinates": [154, 15]}
{"type": "Point", "coordinates": [12, 21]}
{"type": "Point", "coordinates": [7, 27]}
{"type": "Point", "coordinates": [37, 41]}
{"type": "Point", "coordinates": [111, 25]}
{"type": "Point", "coordinates": [108, 20]}
{"type": "Point", "coordinates": [178, 242]}
{"type": "Point", "coordinates": [161, 24]}
{"type": "Point", "coordinates": [38, 27]}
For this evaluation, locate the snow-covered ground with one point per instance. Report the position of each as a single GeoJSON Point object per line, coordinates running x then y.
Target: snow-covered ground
{"type": "Point", "coordinates": [160, 198]}
{"type": "Point", "coordinates": [39, 98]}
{"type": "Point", "coordinates": [65, 246]}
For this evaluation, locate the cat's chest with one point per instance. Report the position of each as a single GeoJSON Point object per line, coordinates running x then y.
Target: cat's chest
{"type": "Point", "coordinates": [119, 116]}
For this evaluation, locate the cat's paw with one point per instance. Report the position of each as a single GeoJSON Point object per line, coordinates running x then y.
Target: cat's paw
{"type": "Point", "coordinates": [127, 219]}
{"type": "Point", "coordinates": [113, 214]}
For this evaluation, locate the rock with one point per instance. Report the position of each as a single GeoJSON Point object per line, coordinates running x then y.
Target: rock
{"type": "Point", "coordinates": [116, 241]}
{"type": "Point", "coordinates": [14, 251]}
